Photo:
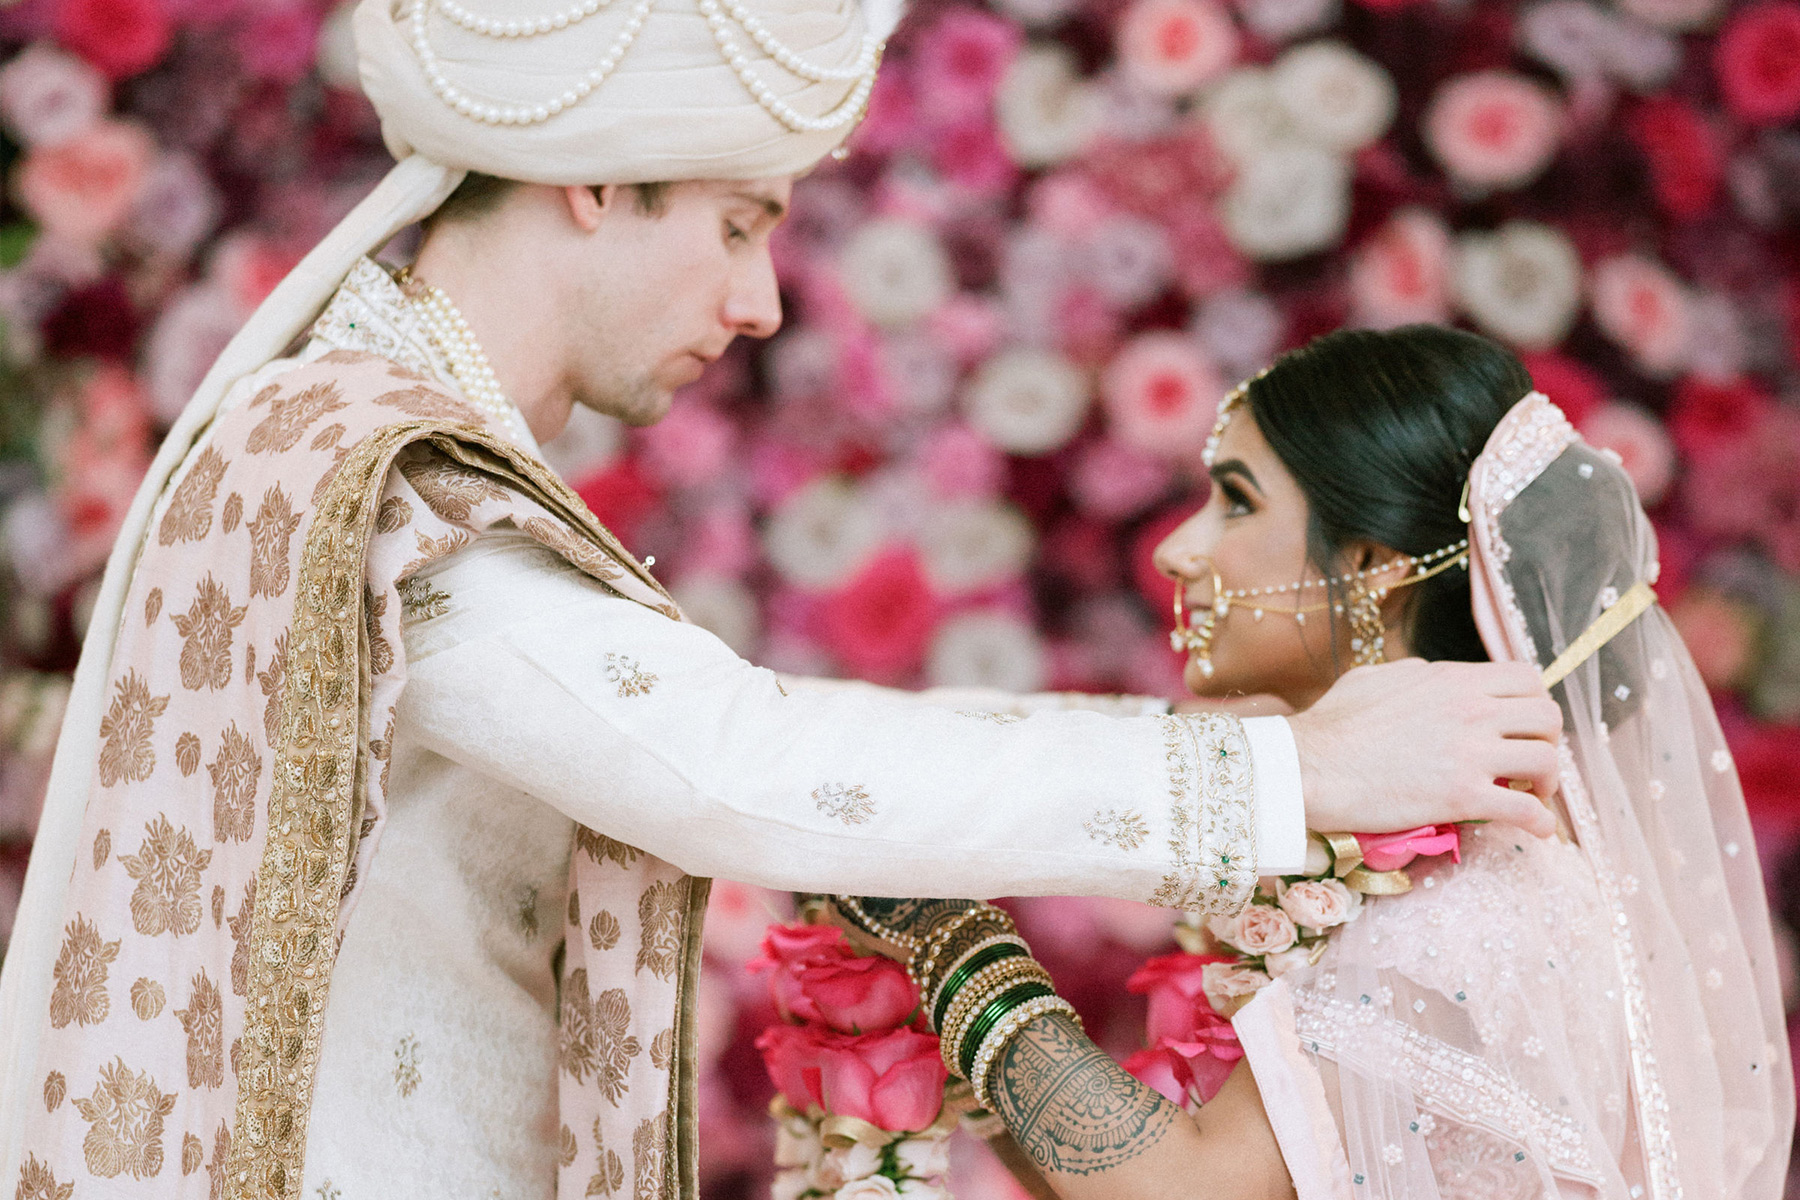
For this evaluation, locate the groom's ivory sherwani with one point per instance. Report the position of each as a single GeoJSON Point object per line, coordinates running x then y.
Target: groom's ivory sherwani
{"type": "Point", "coordinates": [410, 786]}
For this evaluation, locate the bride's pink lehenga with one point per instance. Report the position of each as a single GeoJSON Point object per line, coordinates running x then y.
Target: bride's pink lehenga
{"type": "Point", "coordinates": [1595, 1017]}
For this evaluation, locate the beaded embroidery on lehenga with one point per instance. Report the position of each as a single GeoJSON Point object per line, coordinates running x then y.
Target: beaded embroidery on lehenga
{"type": "Point", "coordinates": [1596, 1017]}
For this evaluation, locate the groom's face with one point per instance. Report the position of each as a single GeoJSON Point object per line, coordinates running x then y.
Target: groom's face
{"type": "Point", "coordinates": [664, 292]}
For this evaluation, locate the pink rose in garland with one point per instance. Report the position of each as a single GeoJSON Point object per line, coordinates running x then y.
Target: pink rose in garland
{"type": "Point", "coordinates": [1392, 851]}
{"type": "Point", "coordinates": [792, 1054]}
{"type": "Point", "coordinates": [1192, 1049]}
{"type": "Point", "coordinates": [893, 1080]}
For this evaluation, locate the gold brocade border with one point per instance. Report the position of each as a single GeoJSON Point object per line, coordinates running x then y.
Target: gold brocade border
{"type": "Point", "coordinates": [683, 1177]}
{"type": "Point", "coordinates": [312, 809]}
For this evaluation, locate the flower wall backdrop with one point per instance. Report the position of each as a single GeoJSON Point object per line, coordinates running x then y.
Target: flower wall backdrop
{"type": "Point", "coordinates": [1066, 227]}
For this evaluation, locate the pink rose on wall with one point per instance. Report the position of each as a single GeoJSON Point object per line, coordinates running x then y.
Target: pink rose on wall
{"type": "Point", "coordinates": [1493, 129]}
{"type": "Point", "coordinates": [48, 96]}
{"type": "Point", "coordinates": [1643, 307]}
{"type": "Point", "coordinates": [880, 623]}
{"type": "Point", "coordinates": [1161, 394]}
{"type": "Point", "coordinates": [1575, 388]}
{"type": "Point", "coordinates": [279, 43]}
{"type": "Point", "coordinates": [83, 188]}
{"type": "Point", "coordinates": [1174, 46]}
{"type": "Point", "coordinates": [1641, 443]}
{"type": "Point", "coordinates": [1720, 633]}
{"type": "Point", "coordinates": [1757, 60]}
{"type": "Point", "coordinates": [1402, 274]}
{"type": "Point", "coordinates": [690, 446]}
{"type": "Point", "coordinates": [959, 61]}
{"type": "Point", "coordinates": [894, 1082]}
{"type": "Point", "coordinates": [121, 37]}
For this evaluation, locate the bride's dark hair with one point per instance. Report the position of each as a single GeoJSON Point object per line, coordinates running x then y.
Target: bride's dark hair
{"type": "Point", "coordinates": [1379, 429]}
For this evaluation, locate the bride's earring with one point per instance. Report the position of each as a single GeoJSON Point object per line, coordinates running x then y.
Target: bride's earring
{"type": "Point", "coordinates": [1367, 634]}
{"type": "Point", "coordinates": [1197, 638]}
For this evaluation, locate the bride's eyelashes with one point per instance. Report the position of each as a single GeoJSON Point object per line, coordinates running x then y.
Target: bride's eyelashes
{"type": "Point", "coordinates": [1237, 503]}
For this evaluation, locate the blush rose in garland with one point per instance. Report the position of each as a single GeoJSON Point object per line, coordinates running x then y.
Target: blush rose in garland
{"type": "Point", "coordinates": [1190, 1046]}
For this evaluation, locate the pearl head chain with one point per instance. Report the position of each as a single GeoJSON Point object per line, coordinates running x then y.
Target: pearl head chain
{"type": "Point", "coordinates": [469, 365]}
{"type": "Point", "coordinates": [719, 18]}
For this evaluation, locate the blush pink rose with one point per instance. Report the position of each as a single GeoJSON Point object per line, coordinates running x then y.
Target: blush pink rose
{"type": "Point", "coordinates": [83, 189]}
{"type": "Point", "coordinates": [793, 1057]}
{"type": "Point", "coordinates": [279, 43]}
{"type": "Point", "coordinates": [1229, 987]}
{"type": "Point", "coordinates": [1493, 128]}
{"type": "Point", "coordinates": [1720, 633]}
{"type": "Point", "coordinates": [894, 1081]}
{"type": "Point", "coordinates": [48, 96]}
{"type": "Point", "coordinates": [121, 37]}
{"type": "Point", "coordinates": [693, 444]}
{"type": "Point", "coordinates": [959, 463]}
{"type": "Point", "coordinates": [1173, 46]}
{"type": "Point", "coordinates": [1176, 987]}
{"type": "Point", "coordinates": [1258, 929]}
{"type": "Point", "coordinates": [1643, 307]}
{"type": "Point", "coordinates": [1391, 851]}
{"type": "Point", "coordinates": [1757, 61]}
{"type": "Point", "coordinates": [1319, 903]}
{"type": "Point", "coordinates": [1641, 443]}
{"type": "Point", "coordinates": [249, 267]}
{"type": "Point", "coordinates": [1401, 275]}
{"type": "Point", "coordinates": [1112, 480]}
{"type": "Point", "coordinates": [1161, 394]}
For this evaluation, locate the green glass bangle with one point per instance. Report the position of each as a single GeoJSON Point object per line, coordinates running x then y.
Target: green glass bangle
{"type": "Point", "coordinates": [992, 1015]}
{"type": "Point", "coordinates": [960, 976]}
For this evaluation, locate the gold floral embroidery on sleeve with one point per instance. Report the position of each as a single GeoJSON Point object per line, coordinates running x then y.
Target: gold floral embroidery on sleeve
{"type": "Point", "coordinates": [406, 1065]}
{"type": "Point", "coordinates": [147, 999]}
{"type": "Point", "coordinates": [629, 675]}
{"type": "Point", "coordinates": [1211, 794]}
{"type": "Point", "coordinates": [982, 714]}
{"type": "Point", "coordinates": [79, 996]}
{"type": "Point", "coordinates": [271, 537]}
{"type": "Point", "coordinates": [420, 601]}
{"type": "Point", "coordinates": [846, 802]}
{"type": "Point", "coordinates": [38, 1182]}
{"type": "Point", "coordinates": [609, 1171]}
{"type": "Point", "coordinates": [125, 1117]}
{"type": "Point", "coordinates": [167, 867]}
{"type": "Point", "coordinates": [125, 751]}
{"type": "Point", "coordinates": [1124, 828]}
{"type": "Point", "coordinates": [189, 515]}
{"type": "Point", "coordinates": [595, 1037]}
{"type": "Point", "coordinates": [205, 631]}
{"type": "Point", "coordinates": [659, 922]}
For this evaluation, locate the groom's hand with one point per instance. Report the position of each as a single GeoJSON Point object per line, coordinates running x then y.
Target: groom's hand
{"type": "Point", "coordinates": [1413, 743]}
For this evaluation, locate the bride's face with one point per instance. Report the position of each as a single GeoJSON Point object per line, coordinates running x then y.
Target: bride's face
{"type": "Point", "coordinates": [1252, 531]}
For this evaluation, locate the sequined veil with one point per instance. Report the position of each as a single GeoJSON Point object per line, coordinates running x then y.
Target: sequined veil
{"type": "Point", "coordinates": [1595, 1015]}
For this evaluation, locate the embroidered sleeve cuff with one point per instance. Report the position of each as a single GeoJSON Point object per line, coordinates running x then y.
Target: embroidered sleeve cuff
{"type": "Point", "coordinates": [1212, 814]}
{"type": "Point", "coordinates": [1280, 810]}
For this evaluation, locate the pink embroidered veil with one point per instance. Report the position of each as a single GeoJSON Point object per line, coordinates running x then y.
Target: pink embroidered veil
{"type": "Point", "coordinates": [1595, 1016]}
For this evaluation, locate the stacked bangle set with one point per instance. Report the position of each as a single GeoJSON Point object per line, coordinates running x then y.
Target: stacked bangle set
{"type": "Point", "coordinates": [980, 1000]}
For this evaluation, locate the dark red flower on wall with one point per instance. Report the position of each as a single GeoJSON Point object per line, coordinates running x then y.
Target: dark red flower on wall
{"type": "Point", "coordinates": [1684, 152]}
{"type": "Point", "coordinates": [121, 37]}
{"type": "Point", "coordinates": [1707, 417]}
{"type": "Point", "coordinates": [1757, 60]}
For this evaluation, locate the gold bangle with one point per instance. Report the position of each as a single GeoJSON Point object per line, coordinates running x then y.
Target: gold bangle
{"type": "Point", "coordinates": [1003, 1033]}
{"type": "Point", "coordinates": [988, 985]}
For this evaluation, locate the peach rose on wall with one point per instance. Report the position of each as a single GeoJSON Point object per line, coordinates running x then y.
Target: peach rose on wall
{"type": "Point", "coordinates": [1173, 46]}
{"type": "Point", "coordinates": [1642, 306]}
{"type": "Point", "coordinates": [83, 188]}
{"type": "Point", "coordinates": [1493, 129]}
{"type": "Point", "coordinates": [1161, 394]}
{"type": "Point", "coordinates": [1402, 274]}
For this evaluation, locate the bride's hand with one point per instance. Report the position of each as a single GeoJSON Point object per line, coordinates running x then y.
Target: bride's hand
{"type": "Point", "coordinates": [1414, 743]}
{"type": "Point", "coordinates": [1260, 705]}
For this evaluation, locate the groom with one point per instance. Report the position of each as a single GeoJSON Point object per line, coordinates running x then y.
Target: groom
{"type": "Point", "coordinates": [428, 923]}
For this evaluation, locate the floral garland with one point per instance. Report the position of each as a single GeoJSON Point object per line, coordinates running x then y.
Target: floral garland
{"type": "Point", "coordinates": [861, 1110]}
{"type": "Point", "coordinates": [1190, 1045]}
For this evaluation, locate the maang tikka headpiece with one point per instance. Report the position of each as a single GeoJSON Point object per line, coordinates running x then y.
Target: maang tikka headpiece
{"type": "Point", "coordinates": [1367, 631]}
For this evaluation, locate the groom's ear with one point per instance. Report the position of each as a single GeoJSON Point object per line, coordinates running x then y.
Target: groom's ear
{"type": "Point", "coordinates": [588, 205]}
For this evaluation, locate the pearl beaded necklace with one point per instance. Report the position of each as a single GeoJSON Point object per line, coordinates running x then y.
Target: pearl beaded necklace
{"type": "Point", "coordinates": [469, 365]}
{"type": "Point", "coordinates": [718, 18]}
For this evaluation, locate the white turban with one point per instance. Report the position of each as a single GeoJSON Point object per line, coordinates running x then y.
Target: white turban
{"type": "Point", "coordinates": [673, 106]}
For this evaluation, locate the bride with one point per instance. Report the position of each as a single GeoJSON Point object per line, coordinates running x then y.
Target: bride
{"type": "Point", "coordinates": [1589, 1016]}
